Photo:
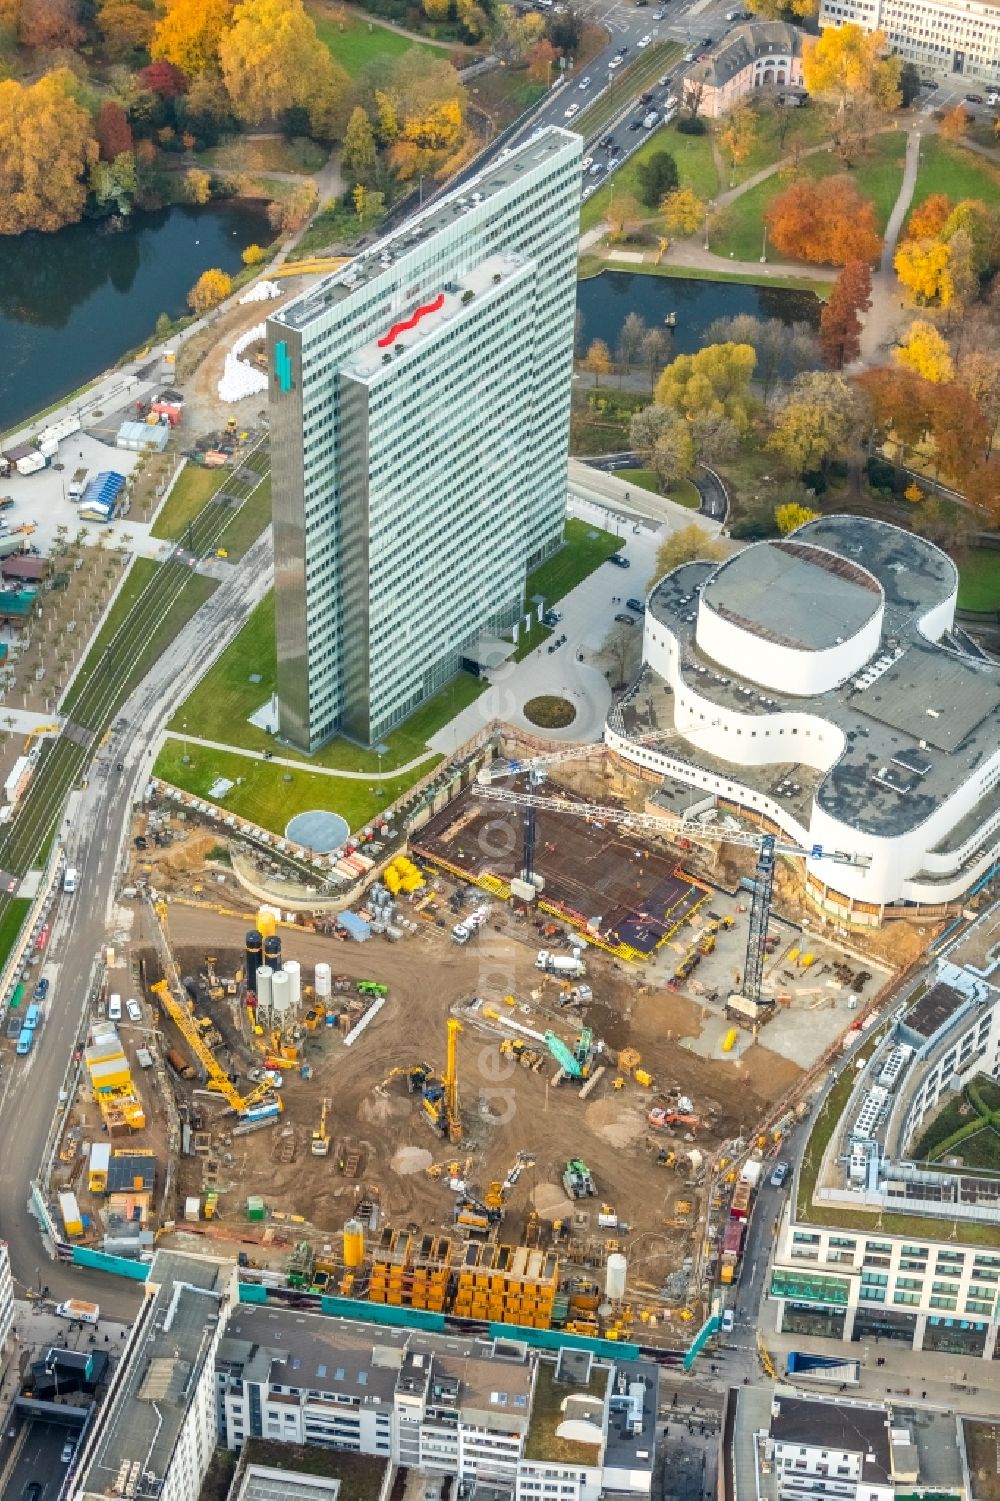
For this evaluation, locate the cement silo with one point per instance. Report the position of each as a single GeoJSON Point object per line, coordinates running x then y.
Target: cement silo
{"type": "Point", "coordinates": [272, 952]}
{"type": "Point", "coordinates": [255, 949]}
{"type": "Point", "coordinates": [354, 1243]}
{"type": "Point", "coordinates": [281, 997]}
{"type": "Point", "coordinates": [614, 1282]}
{"type": "Point", "coordinates": [324, 982]}
{"type": "Point", "coordinates": [293, 970]}
{"type": "Point", "coordinates": [265, 975]}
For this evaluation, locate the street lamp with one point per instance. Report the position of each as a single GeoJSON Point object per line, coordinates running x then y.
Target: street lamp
{"type": "Point", "coordinates": [380, 751]}
{"type": "Point", "coordinates": [763, 248]}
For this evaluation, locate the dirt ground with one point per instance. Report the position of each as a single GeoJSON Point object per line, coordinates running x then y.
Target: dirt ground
{"type": "Point", "coordinates": [506, 1109]}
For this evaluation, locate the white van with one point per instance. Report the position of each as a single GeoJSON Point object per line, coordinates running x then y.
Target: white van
{"type": "Point", "coordinates": [114, 1008]}
{"type": "Point", "coordinates": [69, 878]}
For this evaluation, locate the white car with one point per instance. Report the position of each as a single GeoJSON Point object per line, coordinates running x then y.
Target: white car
{"type": "Point", "coordinates": [586, 164]}
{"type": "Point", "coordinates": [596, 168]}
{"type": "Point", "coordinates": [644, 41]}
{"type": "Point", "coordinates": [615, 62]}
{"type": "Point", "coordinates": [134, 1011]}
{"type": "Point", "coordinates": [568, 114]}
{"type": "Point", "coordinates": [584, 83]}
{"type": "Point", "coordinates": [612, 163]}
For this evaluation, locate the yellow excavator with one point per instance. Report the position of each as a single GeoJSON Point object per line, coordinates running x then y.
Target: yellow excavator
{"type": "Point", "coordinates": [320, 1144]}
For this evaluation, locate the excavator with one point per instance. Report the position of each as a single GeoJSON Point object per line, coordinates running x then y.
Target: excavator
{"type": "Point", "coordinates": [663, 1119]}
{"type": "Point", "coordinates": [320, 1143]}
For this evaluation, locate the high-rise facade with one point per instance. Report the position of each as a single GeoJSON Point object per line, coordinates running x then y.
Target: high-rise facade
{"type": "Point", "coordinates": [939, 36]}
{"type": "Point", "coordinates": [419, 406]}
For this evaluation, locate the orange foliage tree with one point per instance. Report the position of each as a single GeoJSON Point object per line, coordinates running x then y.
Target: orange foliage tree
{"type": "Point", "coordinates": [49, 24]}
{"type": "Point", "coordinates": [930, 217]}
{"type": "Point", "coordinates": [188, 34]}
{"type": "Point", "coordinates": [827, 222]}
{"type": "Point", "coordinates": [46, 149]}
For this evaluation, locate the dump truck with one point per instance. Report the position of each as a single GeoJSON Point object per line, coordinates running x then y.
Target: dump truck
{"type": "Point", "coordinates": [561, 964]}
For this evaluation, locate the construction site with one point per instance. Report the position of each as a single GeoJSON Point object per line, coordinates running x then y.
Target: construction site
{"type": "Point", "coordinates": [548, 1070]}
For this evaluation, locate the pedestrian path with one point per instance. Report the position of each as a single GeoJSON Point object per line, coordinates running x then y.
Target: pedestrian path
{"type": "Point", "coordinates": [886, 315]}
{"type": "Point", "coordinates": [319, 771]}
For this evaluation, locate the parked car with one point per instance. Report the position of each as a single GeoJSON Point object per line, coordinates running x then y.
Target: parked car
{"type": "Point", "coordinates": [134, 1011]}
{"type": "Point", "coordinates": [551, 617]}
{"type": "Point", "coordinates": [974, 99]}
{"type": "Point", "coordinates": [68, 1450]}
{"type": "Point", "coordinates": [41, 989]}
{"type": "Point", "coordinates": [114, 1008]}
{"type": "Point", "coordinates": [779, 1175]}
{"type": "Point", "coordinates": [728, 1321]}
{"type": "Point", "coordinates": [619, 559]}
{"type": "Point", "coordinates": [636, 604]}
{"type": "Point", "coordinates": [624, 620]}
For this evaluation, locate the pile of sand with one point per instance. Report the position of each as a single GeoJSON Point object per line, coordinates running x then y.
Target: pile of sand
{"type": "Point", "coordinates": [409, 1160]}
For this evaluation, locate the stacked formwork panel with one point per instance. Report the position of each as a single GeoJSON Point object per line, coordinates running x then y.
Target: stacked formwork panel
{"type": "Point", "coordinates": [507, 1285]}
{"type": "Point", "coordinates": [410, 1274]}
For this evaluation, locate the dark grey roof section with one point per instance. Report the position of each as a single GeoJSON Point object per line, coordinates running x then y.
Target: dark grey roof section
{"type": "Point", "coordinates": [936, 709]}
{"type": "Point", "coordinates": [934, 1008]}
{"type": "Point", "coordinates": [631, 1445]}
{"type": "Point", "coordinates": [758, 39]}
{"type": "Point", "coordinates": [803, 597]}
{"type": "Point", "coordinates": [852, 1427]}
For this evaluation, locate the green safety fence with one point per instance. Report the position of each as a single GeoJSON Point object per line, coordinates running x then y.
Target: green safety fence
{"type": "Point", "coordinates": [101, 1261]}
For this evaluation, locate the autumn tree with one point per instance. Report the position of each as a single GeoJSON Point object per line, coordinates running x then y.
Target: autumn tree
{"type": "Point", "coordinates": [358, 155]}
{"type": "Point", "coordinates": [826, 222]}
{"type": "Point", "coordinates": [654, 351]}
{"type": "Point", "coordinates": [981, 222]}
{"type": "Point", "coordinates": [673, 451]}
{"type": "Point", "coordinates": [630, 340]}
{"type": "Point", "coordinates": [689, 544]}
{"type": "Point", "coordinates": [114, 134]}
{"type": "Point", "coordinates": [514, 34]}
{"type": "Point", "coordinates": [272, 60]}
{"type": "Point", "coordinates": [624, 216]}
{"type": "Point", "coordinates": [954, 123]}
{"type": "Point", "coordinates": [779, 347]}
{"type": "Point", "coordinates": [817, 418]}
{"type": "Point", "coordinates": [922, 268]}
{"type": "Point", "coordinates": [930, 217]}
{"type": "Point", "coordinates": [597, 360]}
{"type": "Point", "coordinates": [49, 24]}
{"type": "Point", "coordinates": [926, 352]}
{"type": "Point", "coordinates": [46, 149]}
{"type": "Point", "coordinates": [716, 379]}
{"type": "Point", "coordinates": [253, 255]}
{"type": "Point", "coordinates": [211, 288]}
{"type": "Point", "coordinates": [840, 320]}
{"type": "Point", "coordinates": [645, 426]}
{"type": "Point", "coordinates": [656, 177]}
{"type": "Point", "coordinates": [846, 60]}
{"type": "Point", "coordinates": [114, 184]}
{"type": "Point", "coordinates": [789, 517]}
{"type": "Point", "coordinates": [125, 27]}
{"type": "Point", "coordinates": [683, 212]}
{"type": "Point", "coordinates": [204, 109]}
{"type": "Point", "coordinates": [197, 185]}
{"type": "Point", "coordinates": [164, 79]}
{"type": "Point", "coordinates": [777, 10]}
{"type": "Point", "coordinates": [739, 132]}
{"type": "Point", "coordinates": [542, 59]}
{"type": "Point", "coordinates": [979, 373]}
{"type": "Point", "coordinates": [189, 32]}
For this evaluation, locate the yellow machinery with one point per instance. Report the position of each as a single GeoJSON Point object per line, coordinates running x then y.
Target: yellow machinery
{"type": "Point", "coordinates": [43, 729]}
{"type": "Point", "coordinates": [453, 1121]}
{"type": "Point", "coordinates": [320, 1144]}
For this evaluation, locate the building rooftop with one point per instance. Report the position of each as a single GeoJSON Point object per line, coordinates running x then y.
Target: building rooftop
{"type": "Point", "coordinates": [934, 1008]}
{"type": "Point", "coordinates": [917, 724]}
{"type": "Point", "coordinates": [743, 46]}
{"type": "Point", "coordinates": [377, 260]}
{"type": "Point", "coordinates": [357, 1477]}
{"type": "Point", "coordinates": [797, 595]}
{"type": "Point", "coordinates": [549, 1413]}
{"type": "Point", "coordinates": [631, 1436]}
{"type": "Point", "coordinates": [139, 1427]}
{"type": "Point", "coordinates": [854, 1427]}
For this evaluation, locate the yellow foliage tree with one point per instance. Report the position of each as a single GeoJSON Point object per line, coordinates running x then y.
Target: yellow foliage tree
{"type": "Point", "coordinates": [46, 149]}
{"type": "Point", "coordinates": [125, 27]}
{"type": "Point", "coordinates": [435, 10]}
{"type": "Point", "coordinates": [739, 132]}
{"type": "Point", "coordinates": [272, 60]}
{"type": "Point", "coordinates": [926, 352]}
{"type": "Point", "coordinates": [211, 288]}
{"type": "Point", "coordinates": [790, 517]}
{"type": "Point", "coordinates": [253, 255]}
{"type": "Point", "coordinates": [189, 32]}
{"type": "Point", "coordinates": [197, 185]}
{"type": "Point", "coordinates": [683, 212]}
{"type": "Point", "coordinates": [922, 268]}
{"type": "Point", "coordinates": [438, 128]}
{"type": "Point", "coordinates": [845, 60]}
{"type": "Point", "coordinates": [386, 117]}
{"type": "Point", "coordinates": [913, 493]}
{"type": "Point", "coordinates": [715, 381]}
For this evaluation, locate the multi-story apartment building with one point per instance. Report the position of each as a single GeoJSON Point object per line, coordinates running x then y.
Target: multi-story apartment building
{"type": "Point", "coordinates": [491, 1413]}
{"type": "Point", "coordinates": [157, 1430]}
{"type": "Point", "coordinates": [419, 409]}
{"type": "Point", "coordinates": [938, 36]}
{"type": "Point", "coordinates": [6, 1295]}
{"type": "Point", "coordinates": [933, 1278]}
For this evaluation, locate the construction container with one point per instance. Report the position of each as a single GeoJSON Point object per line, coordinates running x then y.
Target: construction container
{"type": "Point", "coordinates": [256, 1208]}
{"type": "Point", "coordinates": [98, 1167]}
{"type": "Point", "coordinates": [71, 1217]}
{"type": "Point", "coordinates": [354, 1243]}
{"type": "Point", "coordinates": [192, 1208]}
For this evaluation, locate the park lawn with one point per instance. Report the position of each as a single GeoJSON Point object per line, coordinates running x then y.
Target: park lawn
{"type": "Point", "coordinates": [11, 924]}
{"type": "Point", "coordinates": [877, 177]}
{"type": "Point", "coordinates": [192, 492]}
{"type": "Point", "coordinates": [684, 493]}
{"type": "Point", "coordinates": [587, 547]}
{"type": "Point", "coordinates": [273, 153]}
{"type": "Point", "coordinates": [264, 796]}
{"type": "Point", "coordinates": [803, 128]}
{"type": "Point", "coordinates": [354, 43]}
{"type": "Point", "coordinates": [195, 592]}
{"type": "Point", "coordinates": [946, 168]}
{"type": "Point", "coordinates": [220, 705]}
{"type": "Point", "coordinates": [695, 168]}
{"type": "Point", "coordinates": [979, 579]}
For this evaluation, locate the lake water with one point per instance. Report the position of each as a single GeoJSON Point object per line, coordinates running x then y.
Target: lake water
{"type": "Point", "coordinates": [72, 303]}
{"type": "Point", "coordinates": [606, 300]}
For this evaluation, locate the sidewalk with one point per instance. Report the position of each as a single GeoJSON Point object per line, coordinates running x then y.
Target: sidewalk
{"type": "Point", "coordinates": [883, 319]}
{"type": "Point", "coordinates": [305, 766]}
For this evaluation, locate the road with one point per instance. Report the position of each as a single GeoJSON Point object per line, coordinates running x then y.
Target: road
{"type": "Point", "coordinates": [95, 833]}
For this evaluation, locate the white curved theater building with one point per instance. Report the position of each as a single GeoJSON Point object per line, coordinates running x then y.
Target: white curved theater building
{"type": "Point", "coordinates": [819, 690]}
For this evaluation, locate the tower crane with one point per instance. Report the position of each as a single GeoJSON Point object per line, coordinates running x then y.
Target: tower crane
{"type": "Point", "coordinates": [768, 847]}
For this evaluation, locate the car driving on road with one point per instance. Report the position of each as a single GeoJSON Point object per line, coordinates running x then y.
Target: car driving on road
{"type": "Point", "coordinates": [779, 1175]}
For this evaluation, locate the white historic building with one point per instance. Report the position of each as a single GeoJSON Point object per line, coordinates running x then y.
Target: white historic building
{"type": "Point", "coordinates": [938, 36]}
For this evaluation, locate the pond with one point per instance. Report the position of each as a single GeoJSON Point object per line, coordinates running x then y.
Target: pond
{"type": "Point", "coordinates": [72, 303]}
{"type": "Point", "coordinates": [605, 301]}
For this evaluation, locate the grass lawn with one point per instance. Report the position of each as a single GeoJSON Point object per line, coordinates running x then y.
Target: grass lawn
{"type": "Point", "coordinates": [11, 923]}
{"type": "Point", "coordinates": [695, 167]}
{"type": "Point", "coordinates": [587, 547]}
{"type": "Point", "coordinates": [338, 225]}
{"type": "Point", "coordinates": [803, 128]}
{"type": "Point", "coordinates": [979, 579]}
{"type": "Point", "coordinates": [684, 493]}
{"type": "Point", "coordinates": [265, 154]}
{"type": "Point", "coordinates": [246, 524]}
{"type": "Point", "coordinates": [262, 793]}
{"type": "Point", "coordinates": [196, 590]}
{"type": "Point", "coordinates": [878, 177]}
{"type": "Point", "coordinates": [945, 168]}
{"type": "Point", "coordinates": [219, 706]}
{"type": "Point", "coordinates": [192, 492]}
{"type": "Point", "coordinates": [355, 43]}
